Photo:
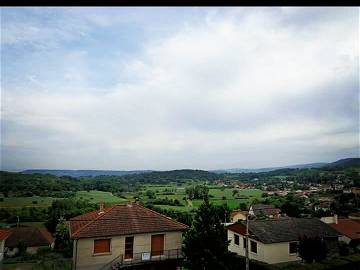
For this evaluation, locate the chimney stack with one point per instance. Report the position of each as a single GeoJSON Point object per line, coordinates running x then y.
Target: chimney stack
{"type": "Point", "coordinates": [101, 208]}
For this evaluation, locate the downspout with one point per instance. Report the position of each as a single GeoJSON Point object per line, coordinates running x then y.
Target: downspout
{"type": "Point", "coordinates": [75, 255]}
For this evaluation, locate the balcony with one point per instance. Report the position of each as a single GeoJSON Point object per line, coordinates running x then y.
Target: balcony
{"type": "Point", "coordinates": [144, 258]}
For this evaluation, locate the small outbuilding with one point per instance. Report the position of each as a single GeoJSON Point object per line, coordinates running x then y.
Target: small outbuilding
{"type": "Point", "coordinates": [32, 237]}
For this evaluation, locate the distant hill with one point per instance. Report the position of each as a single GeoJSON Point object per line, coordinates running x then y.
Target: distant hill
{"type": "Point", "coordinates": [259, 170]}
{"type": "Point", "coordinates": [344, 163]}
{"type": "Point", "coordinates": [80, 173]}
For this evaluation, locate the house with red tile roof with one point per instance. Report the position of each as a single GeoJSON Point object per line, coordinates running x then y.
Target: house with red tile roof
{"type": "Point", "coordinates": [33, 238]}
{"type": "Point", "coordinates": [126, 236]}
{"type": "Point", "coordinates": [4, 234]}
{"type": "Point", "coordinates": [349, 230]}
{"type": "Point", "coordinates": [276, 241]}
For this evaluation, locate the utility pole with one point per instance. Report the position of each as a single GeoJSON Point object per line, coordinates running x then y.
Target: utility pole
{"type": "Point", "coordinates": [247, 242]}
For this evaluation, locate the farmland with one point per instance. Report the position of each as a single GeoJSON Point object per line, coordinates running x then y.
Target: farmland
{"type": "Point", "coordinates": [218, 196]}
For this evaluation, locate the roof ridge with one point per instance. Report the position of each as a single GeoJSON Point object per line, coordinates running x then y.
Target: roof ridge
{"type": "Point", "coordinates": [92, 221]}
{"type": "Point", "coordinates": [159, 214]}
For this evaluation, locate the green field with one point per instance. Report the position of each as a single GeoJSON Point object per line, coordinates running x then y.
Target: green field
{"type": "Point", "coordinates": [19, 202]}
{"type": "Point", "coordinates": [99, 196]}
{"type": "Point", "coordinates": [35, 201]}
{"type": "Point", "coordinates": [216, 197]}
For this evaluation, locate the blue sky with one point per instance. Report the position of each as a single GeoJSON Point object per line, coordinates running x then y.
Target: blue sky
{"type": "Point", "coordinates": [170, 88]}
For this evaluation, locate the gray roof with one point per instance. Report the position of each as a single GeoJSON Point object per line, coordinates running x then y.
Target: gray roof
{"type": "Point", "coordinates": [262, 206]}
{"type": "Point", "coordinates": [289, 229]}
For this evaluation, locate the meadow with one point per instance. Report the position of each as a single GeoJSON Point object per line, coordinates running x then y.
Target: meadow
{"type": "Point", "coordinates": [218, 196]}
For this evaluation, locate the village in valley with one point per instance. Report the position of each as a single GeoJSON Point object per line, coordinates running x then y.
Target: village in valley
{"type": "Point", "coordinates": [149, 220]}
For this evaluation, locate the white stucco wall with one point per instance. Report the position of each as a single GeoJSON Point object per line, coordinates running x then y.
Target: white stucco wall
{"type": "Point", "coordinates": [268, 253]}
{"type": "Point", "coordinates": [85, 259]}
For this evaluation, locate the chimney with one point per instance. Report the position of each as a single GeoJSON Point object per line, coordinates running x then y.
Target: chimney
{"type": "Point", "coordinates": [101, 208]}
{"type": "Point", "coordinates": [336, 219]}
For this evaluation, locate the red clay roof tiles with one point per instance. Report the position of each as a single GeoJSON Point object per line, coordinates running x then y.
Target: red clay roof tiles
{"type": "Point", "coordinates": [122, 220]}
{"type": "Point", "coordinates": [4, 234]}
{"type": "Point", "coordinates": [348, 227]}
{"type": "Point", "coordinates": [31, 236]}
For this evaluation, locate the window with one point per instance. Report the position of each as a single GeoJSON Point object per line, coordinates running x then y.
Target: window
{"type": "Point", "coordinates": [253, 246]}
{"type": "Point", "coordinates": [102, 246]}
{"type": "Point", "coordinates": [157, 245]}
{"type": "Point", "coordinates": [244, 241]}
{"type": "Point", "coordinates": [129, 247]}
{"type": "Point", "coordinates": [293, 247]}
{"type": "Point", "coordinates": [236, 239]}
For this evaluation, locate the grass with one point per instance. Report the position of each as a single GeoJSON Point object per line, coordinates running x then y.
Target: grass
{"type": "Point", "coordinates": [216, 196]}
{"type": "Point", "coordinates": [19, 202]}
{"type": "Point", "coordinates": [99, 196]}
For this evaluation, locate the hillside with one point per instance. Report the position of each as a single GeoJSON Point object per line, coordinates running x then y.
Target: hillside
{"type": "Point", "coordinates": [82, 173]}
{"type": "Point", "coordinates": [344, 163]}
{"type": "Point", "coordinates": [269, 169]}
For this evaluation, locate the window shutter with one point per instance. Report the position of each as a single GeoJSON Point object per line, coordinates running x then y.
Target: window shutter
{"type": "Point", "coordinates": [157, 245]}
{"type": "Point", "coordinates": [101, 246]}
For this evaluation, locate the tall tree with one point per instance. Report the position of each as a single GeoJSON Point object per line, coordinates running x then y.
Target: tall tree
{"type": "Point", "coordinates": [312, 248]}
{"type": "Point", "coordinates": [205, 243]}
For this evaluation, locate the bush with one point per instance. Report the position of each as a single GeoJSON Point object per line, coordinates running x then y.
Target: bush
{"type": "Point", "coordinates": [343, 249]}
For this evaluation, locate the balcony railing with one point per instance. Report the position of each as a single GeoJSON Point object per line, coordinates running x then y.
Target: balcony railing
{"type": "Point", "coordinates": [143, 258]}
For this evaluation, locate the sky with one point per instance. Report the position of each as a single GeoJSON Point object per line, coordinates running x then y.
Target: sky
{"type": "Point", "coordinates": [173, 88]}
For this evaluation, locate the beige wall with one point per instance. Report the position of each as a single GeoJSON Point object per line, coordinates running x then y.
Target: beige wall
{"type": "Point", "coordinates": [268, 253]}
{"type": "Point", "coordinates": [85, 259]}
{"type": "Point", "coordinates": [2, 247]}
{"type": "Point", "coordinates": [30, 250]}
{"type": "Point", "coordinates": [238, 216]}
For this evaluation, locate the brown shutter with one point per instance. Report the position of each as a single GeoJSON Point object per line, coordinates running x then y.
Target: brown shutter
{"type": "Point", "coordinates": [101, 246]}
{"type": "Point", "coordinates": [157, 245]}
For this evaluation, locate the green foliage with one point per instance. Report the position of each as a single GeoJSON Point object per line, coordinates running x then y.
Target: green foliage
{"type": "Point", "coordinates": [205, 243]}
{"type": "Point", "coordinates": [150, 194]}
{"type": "Point", "coordinates": [62, 238]}
{"type": "Point", "coordinates": [312, 249]}
{"type": "Point", "coordinates": [21, 248]}
{"type": "Point", "coordinates": [243, 207]}
{"type": "Point", "coordinates": [66, 208]}
{"type": "Point", "coordinates": [197, 192]}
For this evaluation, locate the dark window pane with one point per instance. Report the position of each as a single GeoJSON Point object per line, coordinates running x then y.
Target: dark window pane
{"type": "Point", "coordinates": [236, 239]}
{"type": "Point", "coordinates": [293, 247]}
{"type": "Point", "coordinates": [253, 246]}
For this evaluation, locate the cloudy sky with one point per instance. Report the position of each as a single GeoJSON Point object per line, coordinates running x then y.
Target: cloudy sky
{"type": "Point", "coordinates": [171, 88]}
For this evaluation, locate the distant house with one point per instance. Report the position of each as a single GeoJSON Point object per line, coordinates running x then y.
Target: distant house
{"type": "Point", "coordinates": [355, 216]}
{"type": "Point", "coordinates": [123, 236]}
{"type": "Point", "coordinates": [266, 210]}
{"type": "Point", "coordinates": [325, 206]}
{"type": "Point", "coordinates": [238, 215]}
{"type": "Point", "coordinates": [4, 234]}
{"type": "Point", "coordinates": [33, 238]}
{"type": "Point", "coordinates": [276, 240]}
{"type": "Point", "coordinates": [348, 229]}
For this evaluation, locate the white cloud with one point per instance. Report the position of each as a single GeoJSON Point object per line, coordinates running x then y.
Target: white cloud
{"type": "Point", "coordinates": [211, 95]}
